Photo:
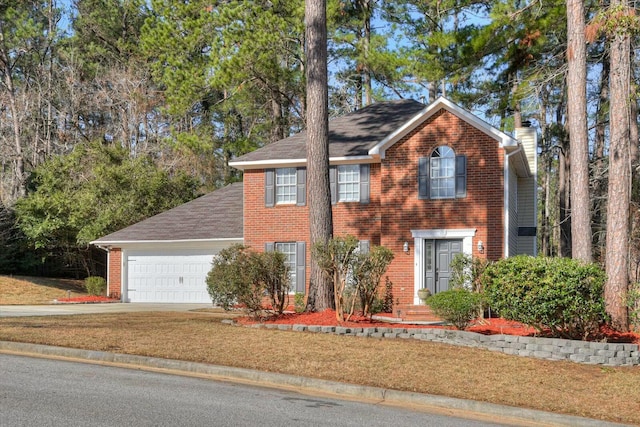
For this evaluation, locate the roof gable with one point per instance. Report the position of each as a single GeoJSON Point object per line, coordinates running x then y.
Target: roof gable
{"type": "Point", "coordinates": [214, 216]}
{"type": "Point", "coordinates": [439, 104]}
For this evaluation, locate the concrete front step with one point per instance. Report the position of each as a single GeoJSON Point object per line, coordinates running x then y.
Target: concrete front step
{"type": "Point", "coordinates": [414, 313]}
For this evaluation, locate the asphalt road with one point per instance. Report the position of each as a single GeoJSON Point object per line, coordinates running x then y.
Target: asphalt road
{"type": "Point", "coordinates": [43, 392]}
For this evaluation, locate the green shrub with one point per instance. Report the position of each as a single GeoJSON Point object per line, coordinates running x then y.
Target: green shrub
{"type": "Point", "coordinates": [457, 306]}
{"type": "Point", "coordinates": [366, 274]}
{"type": "Point", "coordinates": [95, 285]}
{"type": "Point", "coordinates": [633, 303]}
{"type": "Point", "coordinates": [355, 275]}
{"type": "Point", "coordinates": [561, 294]}
{"type": "Point", "coordinates": [228, 276]}
{"type": "Point", "coordinates": [299, 302]}
{"type": "Point", "coordinates": [377, 306]}
{"type": "Point", "coordinates": [336, 258]}
{"type": "Point", "coordinates": [242, 277]}
{"type": "Point", "coordinates": [387, 298]}
{"type": "Point", "coordinates": [271, 272]}
{"type": "Point", "coordinates": [466, 272]}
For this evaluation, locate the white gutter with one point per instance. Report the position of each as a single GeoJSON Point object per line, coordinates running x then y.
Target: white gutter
{"type": "Point", "coordinates": [344, 160]}
{"type": "Point", "coordinates": [268, 163]}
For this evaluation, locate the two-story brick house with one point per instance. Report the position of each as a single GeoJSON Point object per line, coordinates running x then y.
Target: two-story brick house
{"type": "Point", "coordinates": [427, 182]}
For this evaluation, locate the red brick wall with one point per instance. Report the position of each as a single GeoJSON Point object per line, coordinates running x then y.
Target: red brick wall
{"type": "Point", "coordinates": [394, 209]}
{"type": "Point", "coordinates": [114, 279]}
{"type": "Point", "coordinates": [290, 223]}
{"type": "Point", "coordinates": [402, 211]}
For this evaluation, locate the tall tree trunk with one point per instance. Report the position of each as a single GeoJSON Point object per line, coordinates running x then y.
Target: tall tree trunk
{"type": "Point", "coordinates": [365, 7]}
{"type": "Point", "coordinates": [320, 221]}
{"type": "Point", "coordinates": [19, 188]}
{"type": "Point", "coordinates": [50, 41]}
{"type": "Point", "coordinates": [617, 256]}
{"type": "Point", "coordinates": [599, 166]}
{"type": "Point", "coordinates": [564, 167]}
{"type": "Point", "coordinates": [546, 160]}
{"type": "Point", "coordinates": [577, 124]}
{"type": "Point", "coordinates": [634, 149]}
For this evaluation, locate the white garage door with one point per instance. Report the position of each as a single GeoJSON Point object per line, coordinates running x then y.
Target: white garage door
{"type": "Point", "coordinates": [177, 276]}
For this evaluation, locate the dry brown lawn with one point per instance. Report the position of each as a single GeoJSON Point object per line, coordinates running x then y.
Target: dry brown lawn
{"type": "Point", "coordinates": [37, 290]}
{"type": "Point", "coordinates": [604, 393]}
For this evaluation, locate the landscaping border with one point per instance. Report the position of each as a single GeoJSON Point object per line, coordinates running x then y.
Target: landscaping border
{"type": "Point", "coordinates": [587, 352]}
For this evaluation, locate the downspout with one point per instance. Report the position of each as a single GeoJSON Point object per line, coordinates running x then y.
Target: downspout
{"type": "Point", "coordinates": [507, 187]}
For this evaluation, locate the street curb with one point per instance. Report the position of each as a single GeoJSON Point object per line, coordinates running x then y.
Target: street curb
{"type": "Point", "coordinates": [304, 384]}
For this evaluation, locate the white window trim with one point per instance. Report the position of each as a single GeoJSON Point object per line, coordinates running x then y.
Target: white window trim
{"type": "Point", "coordinates": [275, 187]}
{"type": "Point", "coordinates": [356, 183]}
{"type": "Point", "coordinates": [442, 178]}
{"type": "Point", "coordinates": [292, 269]}
{"type": "Point", "coordinates": [466, 234]}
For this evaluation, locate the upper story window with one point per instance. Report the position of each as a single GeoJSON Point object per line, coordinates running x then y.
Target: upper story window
{"type": "Point", "coordinates": [285, 185]}
{"type": "Point", "coordinates": [442, 175]}
{"type": "Point", "coordinates": [349, 183]}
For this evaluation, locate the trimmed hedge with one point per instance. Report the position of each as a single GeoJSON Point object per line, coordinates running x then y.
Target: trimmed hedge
{"type": "Point", "coordinates": [561, 295]}
{"type": "Point", "coordinates": [95, 285]}
{"type": "Point", "coordinates": [458, 306]}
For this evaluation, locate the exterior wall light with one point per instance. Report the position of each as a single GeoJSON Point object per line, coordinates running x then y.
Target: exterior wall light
{"type": "Point", "coordinates": [480, 247]}
{"type": "Point", "coordinates": [405, 247]}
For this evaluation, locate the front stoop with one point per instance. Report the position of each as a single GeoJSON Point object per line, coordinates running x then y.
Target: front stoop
{"type": "Point", "coordinates": [413, 313]}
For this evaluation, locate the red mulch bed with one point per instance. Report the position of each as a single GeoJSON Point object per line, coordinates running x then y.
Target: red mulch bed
{"type": "Point", "coordinates": [89, 299]}
{"type": "Point", "coordinates": [492, 326]}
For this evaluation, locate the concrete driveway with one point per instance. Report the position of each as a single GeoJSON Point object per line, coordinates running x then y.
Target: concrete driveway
{"type": "Point", "coordinates": [67, 309]}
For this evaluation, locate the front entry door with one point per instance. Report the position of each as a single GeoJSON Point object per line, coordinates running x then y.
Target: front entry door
{"type": "Point", "coordinates": [437, 263]}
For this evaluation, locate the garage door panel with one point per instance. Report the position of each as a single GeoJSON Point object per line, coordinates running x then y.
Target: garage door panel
{"type": "Point", "coordinates": [168, 277]}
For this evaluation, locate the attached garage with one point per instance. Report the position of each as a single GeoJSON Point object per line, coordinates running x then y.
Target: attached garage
{"type": "Point", "coordinates": [168, 276]}
{"type": "Point", "coordinates": [166, 258]}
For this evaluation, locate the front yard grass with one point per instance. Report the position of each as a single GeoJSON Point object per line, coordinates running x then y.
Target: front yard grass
{"type": "Point", "coordinates": [603, 393]}
{"type": "Point", "coordinates": [24, 290]}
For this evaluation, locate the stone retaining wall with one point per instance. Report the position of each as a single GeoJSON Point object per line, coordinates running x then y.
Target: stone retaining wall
{"type": "Point", "coordinates": [595, 353]}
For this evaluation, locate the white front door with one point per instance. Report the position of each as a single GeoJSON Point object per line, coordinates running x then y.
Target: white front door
{"type": "Point", "coordinates": [176, 276]}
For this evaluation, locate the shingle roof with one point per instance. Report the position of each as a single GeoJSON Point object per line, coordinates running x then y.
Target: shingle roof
{"type": "Point", "coordinates": [217, 215]}
{"type": "Point", "coordinates": [350, 135]}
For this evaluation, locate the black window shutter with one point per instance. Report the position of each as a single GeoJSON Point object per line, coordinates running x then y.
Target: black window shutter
{"type": "Point", "coordinates": [269, 246]}
{"type": "Point", "coordinates": [364, 183]}
{"type": "Point", "coordinates": [333, 182]}
{"type": "Point", "coordinates": [461, 176]}
{"type": "Point", "coordinates": [269, 187]}
{"type": "Point", "coordinates": [301, 267]}
{"type": "Point", "coordinates": [301, 186]}
{"type": "Point", "coordinates": [423, 178]}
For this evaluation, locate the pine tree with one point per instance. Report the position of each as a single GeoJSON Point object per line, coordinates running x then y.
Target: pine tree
{"type": "Point", "coordinates": [577, 124]}
{"type": "Point", "coordinates": [320, 221]}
